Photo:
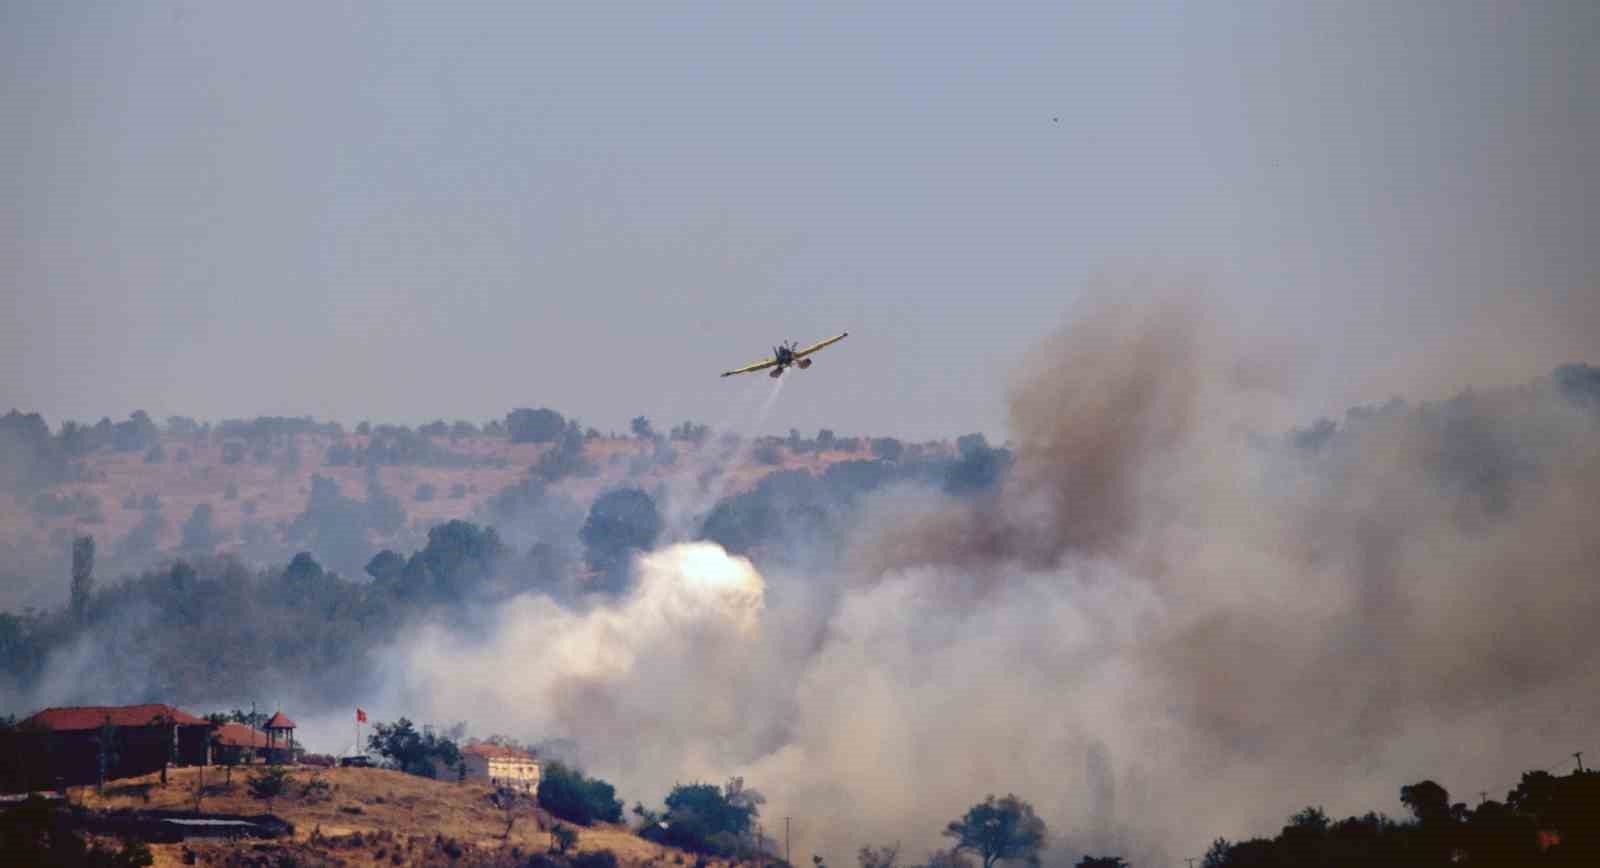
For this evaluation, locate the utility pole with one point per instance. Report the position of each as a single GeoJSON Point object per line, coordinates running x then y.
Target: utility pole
{"type": "Point", "coordinates": [1483, 796]}
{"type": "Point", "coordinates": [1579, 756]}
{"type": "Point", "coordinates": [786, 841]}
{"type": "Point", "coordinates": [1190, 860]}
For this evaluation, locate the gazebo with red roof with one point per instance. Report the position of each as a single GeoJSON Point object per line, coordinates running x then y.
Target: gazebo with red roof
{"type": "Point", "coordinates": [280, 726]}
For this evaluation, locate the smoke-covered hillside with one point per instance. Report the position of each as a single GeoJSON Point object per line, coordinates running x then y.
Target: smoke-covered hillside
{"type": "Point", "coordinates": [305, 547]}
{"type": "Point", "coordinates": [1157, 617]}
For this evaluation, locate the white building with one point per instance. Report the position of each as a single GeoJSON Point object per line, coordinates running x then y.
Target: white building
{"type": "Point", "coordinates": [501, 766]}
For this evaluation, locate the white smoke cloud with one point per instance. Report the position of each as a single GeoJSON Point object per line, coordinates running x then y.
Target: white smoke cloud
{"type": "Point", "coordinates": [648, 684]}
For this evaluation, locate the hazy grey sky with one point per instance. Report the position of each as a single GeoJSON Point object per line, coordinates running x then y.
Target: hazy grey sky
{"type": "Point", "coordinates": [409, 211]}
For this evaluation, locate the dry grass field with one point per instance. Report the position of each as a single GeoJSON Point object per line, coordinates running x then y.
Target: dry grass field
{"type": "Point", "coordinates": [367, 817]}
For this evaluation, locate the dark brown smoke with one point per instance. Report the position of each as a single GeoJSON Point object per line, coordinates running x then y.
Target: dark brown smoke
{"type": "Point", "coordinates": [1318, 617]}
{"type": "Point", "coordinates": [1093, 405]}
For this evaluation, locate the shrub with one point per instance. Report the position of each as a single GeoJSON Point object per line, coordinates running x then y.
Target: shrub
{"type": "Point", "coordinates": [270, 783]}
{"type": "Point", "coordinates": [316, 790]}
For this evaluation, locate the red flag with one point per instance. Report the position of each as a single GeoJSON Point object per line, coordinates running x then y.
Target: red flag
{"type": "Point", "coordinates": [361, 716]}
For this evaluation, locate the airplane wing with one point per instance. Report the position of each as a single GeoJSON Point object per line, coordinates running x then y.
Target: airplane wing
{"type": "Point", "coordinates": [767, 363]}
{"type": "Point", "coordinates": [800, 354]}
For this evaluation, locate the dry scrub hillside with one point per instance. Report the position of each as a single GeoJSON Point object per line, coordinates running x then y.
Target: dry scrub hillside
{"type": "Point", "coordinates": [366, 817]}
{"type": "Point", "coordinates": [270, 493]}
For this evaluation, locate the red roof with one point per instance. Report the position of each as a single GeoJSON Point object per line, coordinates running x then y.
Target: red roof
{"type": "Point", "coordinates": [239, 735]}
{"type": "Point", "coordinates": [490, 749]}
{"type": "Point", "coordinates": [279, 721]}
{"type": "Point", "coordinates": [94, 716]}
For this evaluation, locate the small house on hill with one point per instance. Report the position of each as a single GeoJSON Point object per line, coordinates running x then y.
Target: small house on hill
{"type": "Point", "coordinates": [500, 765]}
{"type": "Point", "coordinates": [85, 744]}
{"type": "Point", "coordinates": [236, 743]}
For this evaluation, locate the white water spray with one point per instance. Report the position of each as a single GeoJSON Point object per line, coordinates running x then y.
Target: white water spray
{"type": "Point", "coordinates": [689, 500]}
{"type": "Point", "coordinates": [656, 685]}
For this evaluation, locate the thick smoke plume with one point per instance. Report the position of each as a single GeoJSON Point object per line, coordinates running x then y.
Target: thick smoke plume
{"type": "Point", "coordinates": [1170, 622]}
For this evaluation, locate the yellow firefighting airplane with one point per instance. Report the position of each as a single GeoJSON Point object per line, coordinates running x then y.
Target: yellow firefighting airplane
{"type": "Point", "coordinates": [784, 355]}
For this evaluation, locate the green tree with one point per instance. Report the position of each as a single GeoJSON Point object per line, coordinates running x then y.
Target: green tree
{"type": "Point", "coordinates": [413, 752]}
{"type": "Point", "coordinates": [705, 818]}
{"type": "Point", "coordinates": [621, 522]}
{"type": "Point", "coordinates": [82, 575]}
{"type": "Point", "coordinates": [303, 572]}
{"type": "Point", "coordinates": [169, 727]}
{"type": "Point", "coordinates": [459, 557]}
{"type": "Point", "coordinates": [568, 794]}
{"type": "Point", "coordinates": [887, 448]}
{"type": "Point", "coordinates": [198, 534]}
{"type": "Point", "coordinates": [385, 566]}
{"type": "Point", "coordinates": [105, 740]}
{"type": "Point", "coordinates": [534, 426]}
{"type": "Point", "coordinates": [1003, 830]}
{"type": "Point", "coordinates": [1217, 855]}
{"type": "Point", "coordinates": [1429, 802]}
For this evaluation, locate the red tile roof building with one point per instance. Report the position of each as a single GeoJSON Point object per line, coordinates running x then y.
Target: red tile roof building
{"type": "Point", "coordinates": [490, 749]}
{"type": "Point", "coordinates": [239, 735]}
{"type": "Point", "coordinates": [66, 746]}
{"type": "Point", "coordinates": [83, 717]}
{"type": "Point", "coordinates": [238, 743]}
